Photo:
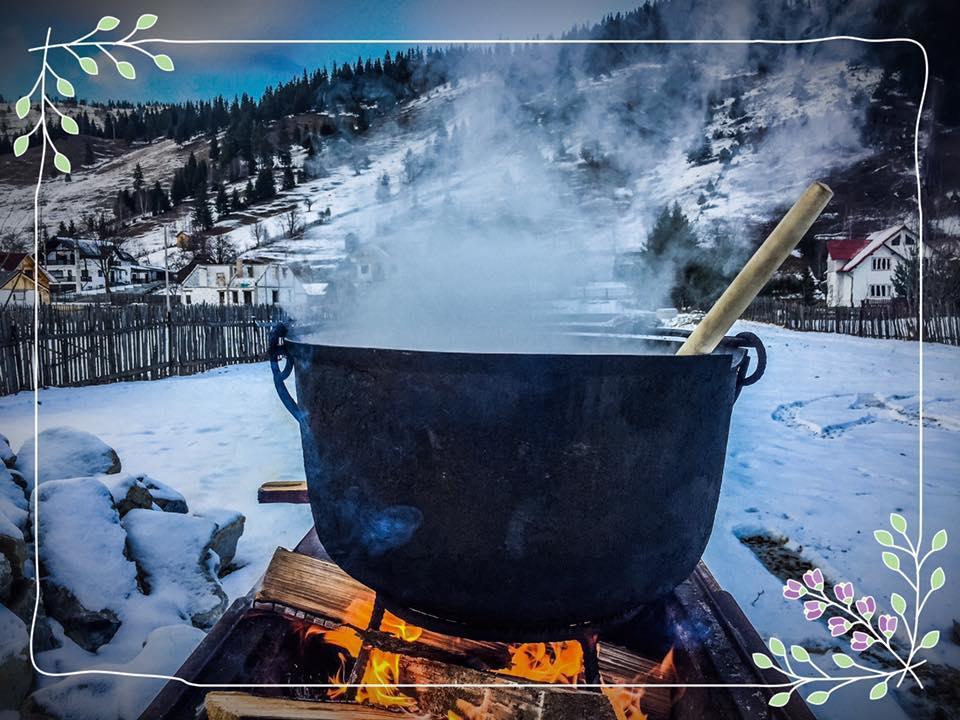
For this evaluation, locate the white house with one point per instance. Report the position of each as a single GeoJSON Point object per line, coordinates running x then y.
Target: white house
{"type": "Point", "coordinates": [862, 270]}
{"type": "Point", "coordinates": [79, 264]}
{"type": "Point", "coordinates": [252, 281]}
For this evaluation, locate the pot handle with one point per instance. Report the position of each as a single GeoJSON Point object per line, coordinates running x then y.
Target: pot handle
{"type": "Point", "coordinates": [748, 340]}
{"type": "Point", "coordinates": [275, 353]}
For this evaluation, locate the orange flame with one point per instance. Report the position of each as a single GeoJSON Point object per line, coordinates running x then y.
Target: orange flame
{"type": "Point", "coordinates": [626, 701]}
{"type": "Point", "coordinates": [556, 662]}
{"type": "Point", "coordinates": [383, 668]}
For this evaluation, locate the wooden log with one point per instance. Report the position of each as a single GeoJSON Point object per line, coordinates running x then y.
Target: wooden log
{"type": "Point", "coordinates": [242, 706]}
{"type": "Point", "coordinates": [283, 491]}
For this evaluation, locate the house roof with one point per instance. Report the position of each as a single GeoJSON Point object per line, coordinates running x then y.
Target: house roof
{"type": "Point", "coordinates": [11, 260]}
{"type": "Point", "coordinates": [845, 249]}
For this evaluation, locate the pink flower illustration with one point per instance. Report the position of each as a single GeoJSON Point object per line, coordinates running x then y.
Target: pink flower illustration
{"type": "Point", "coordinates": [867, 606]}
{"type": "Point", "coordinates": [813, 579]}
{"type": "Point", "coordinates": [813, 609]}
{"type": "Point", "coordinates": [793, 590]}
{"type": "Point", "coordinates": [838, 626]}
{"type": "Point", "coordinates": [844, 592]}
{"type": "Point", "coordinates": [887, 624]}
{"type": "Point", "coordinates": [861, 641]}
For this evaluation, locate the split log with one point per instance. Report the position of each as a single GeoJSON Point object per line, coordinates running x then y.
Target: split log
{"type": "Point", "coordinates": [241, 706]}
{"type": "Point", "coordinates": [283, 491]}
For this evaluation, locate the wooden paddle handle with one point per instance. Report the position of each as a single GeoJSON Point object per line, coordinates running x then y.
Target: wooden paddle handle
{"type": "Point", "coordinates": [755, 274]}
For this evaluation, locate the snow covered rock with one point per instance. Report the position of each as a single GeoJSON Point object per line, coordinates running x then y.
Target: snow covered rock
{"type": "Point", "coordinates": [11, 490]}
{"type": "Point", "coordinates": [66, 452]}
{"type": "Point", "coordinates": [16, 673]}
{"type": "Point", "coordinates": [165, 497]}
{"type": "Point", "coordinates": [7, 456]}
{"type": "Point", "coordinates": [128, 491]}
{"type": "Point", "coordinates": [85, 575]}
{"type": "Point", "coordinates": [229, 529]}
{"type": "Point", "coordinates": [109, 697]}
{"type": "Point", "coordinates": [12, 546]}
{"type": "Point", "coordinates": [173, 552]}
{"type": "Point", "coordinates": [22, 605]}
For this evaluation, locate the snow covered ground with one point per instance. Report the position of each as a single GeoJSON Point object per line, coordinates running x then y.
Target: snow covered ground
{"type": "Point", "coordinates": [821, 451]}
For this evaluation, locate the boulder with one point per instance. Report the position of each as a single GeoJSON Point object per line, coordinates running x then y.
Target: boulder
{"type": "Point", "coordinates": [128, 491]}
{"type": "Point", "coordinates": [85, 575]}
{"type": "Point", "coordinates": [174, 555]}
{"type": "Point", "coordinates": [11, 488]}
{"type": "Point", "coordinates": [16, 671]}
{"type": "Point", "coordinates": [229, 529]}
{"type": "Point", "coordinates": [22, 604]}
{"type": "Point", "coordinates": [6, 580]}
{"type": "Point", "coordinates": [67, 453]}
{"type": "Point", "coordinates": [12, 546]}
{"type": "Point", "coordinates": [7, 456]}
{"type": "Point", "coordinates": [164, 496]}
{"type": "Point", "coordinates": [94, 697]}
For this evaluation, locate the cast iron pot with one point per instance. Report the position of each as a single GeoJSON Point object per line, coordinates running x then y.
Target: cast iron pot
{"type": "Point", "coordinates": [515, 491]}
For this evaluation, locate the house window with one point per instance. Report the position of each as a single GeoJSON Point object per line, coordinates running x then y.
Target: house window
{"type": "Point", "coordinates": [364, 269]}
{"type": "Point", "coordinates": [249, 271]}
{"type": "Point", "coordinates": [221, 279]}
{"type": "Point", "coordinates": [895, 241]}
{"type": "Point", "coordinates": [223, 297]}
{"type": "Point", "coordinates": [880, 291]}
{"type": "Point", "coordinates": [188, 299]}
{"type": "Point", "coordinates": [907, 240]}
{"type": "Point", "coordinates": [99, 273]}
{"type": "Point", "coordinates": [881, 263]}
{"type": "Point", "coordinates": [235, 297]}
{"type": "Point", "coordinates": [248, 297]}
{"type": "Point", "coordinates": [275, 296]}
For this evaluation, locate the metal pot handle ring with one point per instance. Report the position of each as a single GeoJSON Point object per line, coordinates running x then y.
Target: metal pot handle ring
{"type": "Point", "coordinates": [747, 340]}
{"type": "Point", "coordinates": [275, 353]}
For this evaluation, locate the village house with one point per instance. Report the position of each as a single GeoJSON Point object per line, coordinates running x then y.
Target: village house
{"type": "Point", "coordinates": [250, 281]}
{"type": "Point", "coordinates": [78, 265]}
{"type": "Point", "coordinates": [861, 270]}
{"type": "Point", "coordinates": [18, 285]}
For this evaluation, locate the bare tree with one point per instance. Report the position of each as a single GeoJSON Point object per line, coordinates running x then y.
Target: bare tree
{"type": "Point", "coordinates": [224, 251]}
{"type": "Point", "coordinates": [258, 233]}
{"type": "Point", "coordinates": [109, 245]}
{"type": "Point", "coordinates": [292, 222]}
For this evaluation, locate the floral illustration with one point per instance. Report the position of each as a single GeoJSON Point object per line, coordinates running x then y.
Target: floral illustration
{"type": "Point", "coordinates": [65, 88]}
{"type": "Point", "coordinates": [852, 616]}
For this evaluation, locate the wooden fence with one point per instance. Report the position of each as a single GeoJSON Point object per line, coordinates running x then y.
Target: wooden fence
{"type": "Point", "coordinates": [94, 344]}
{"type": "Point", "coordinates": [897, 321]}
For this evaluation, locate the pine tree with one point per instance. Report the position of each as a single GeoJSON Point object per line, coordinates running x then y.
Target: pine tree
{"type": "Point", "coordinates": [88, 157]}
{"type": "Point", "coordinates": [906, 278]}
{"type": "Point", "coordinates": [265, 188]}
{"type": "Point", "coordinates": [235, 202]}
{"type": "Point", "coordinates": [202, 217]}
{"type": "Point", "coordinates": [214, 152]}
{"type": "Point", "coordinates": [222, 202]}
{"type": "Point", "coordinates": [249, 193]}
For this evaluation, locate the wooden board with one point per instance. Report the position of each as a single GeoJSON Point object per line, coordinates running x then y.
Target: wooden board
{"type": "Point", "coordinates": [283, 491]}
{"type": "Point", "coordinates": [241, 706]}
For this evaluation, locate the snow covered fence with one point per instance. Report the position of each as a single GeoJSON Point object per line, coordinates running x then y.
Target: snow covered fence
{"type": "Point", "coordinates": [100, 344]}
{"type": "Point", "coordinates": [896, 321]}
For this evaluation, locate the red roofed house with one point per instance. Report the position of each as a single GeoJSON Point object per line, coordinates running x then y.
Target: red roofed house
{"type": "Point", "coordinates": [859, 270]}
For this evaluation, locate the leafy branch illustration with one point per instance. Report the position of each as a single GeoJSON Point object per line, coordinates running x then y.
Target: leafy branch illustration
{"type": "Point", "coordinates": [65, 88]}
{"type": "Point", "coordinates": [849, 614]}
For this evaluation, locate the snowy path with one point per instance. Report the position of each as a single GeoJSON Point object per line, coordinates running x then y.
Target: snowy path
{"type": "Point", "coordinates": [821, 451]}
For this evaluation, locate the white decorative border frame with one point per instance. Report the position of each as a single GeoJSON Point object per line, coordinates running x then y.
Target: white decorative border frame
{"type": "Point", "coordinates": [792, 590]}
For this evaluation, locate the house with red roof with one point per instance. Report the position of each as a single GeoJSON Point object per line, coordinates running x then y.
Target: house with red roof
{"type": "Point", "coordinates": [862, 269]}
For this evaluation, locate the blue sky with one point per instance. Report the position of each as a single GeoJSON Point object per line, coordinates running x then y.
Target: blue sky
{"type": "Point", "coordinates": [204, 71]}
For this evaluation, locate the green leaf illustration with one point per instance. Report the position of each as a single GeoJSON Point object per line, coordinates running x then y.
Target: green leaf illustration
{"type": "Point", "coordinates": [780, 699]}
{"type": "Point", "coordinates": [937, 579]}
{"type": "Point", "coordinates": [939, 541]}
{"type": "Point", "coordinates": [20, 145]}
{"type": "Point", "coordinates": [818, 698]}
{"type": "Point", "coordinates": [776, 647]}
{"type": "Point", "coordinates": [883, 537]}
{"type": "Point", "coordinates": [61, 162]}
{"type": "Point", "coordinates": [126, 70]}
{"type": "Point", "coordinates": [898, 603]}
{"type": "Point", "coordinates": [23, 107]}
{"type": "Point", "coordinates": [89, 65]}
{"type": "Point", "coordinates": [163, 62]}
{"type": "Point", "coordinates": [762, 661]}
{"type": "Point", "coordinates": [891, 560]}
{"type": "Point", "coordinates": [64, 87]}
{"type": "Point", "coordinates": [930, 640]}
{"type": "Point", "coordinates": [878, 690]}
{"type": "Point", "coordinates": [799, 653]}
{"type": "Point", "coordinates": [898, 523]}
{"type": "Point", "coordinates": [69, 125]}
{"type": "Point", "coordinates": [842, 661]}
{"type": "Point", "coordinates": [146, 21]}
{"type": "Point", "coordinates": [107, 22]}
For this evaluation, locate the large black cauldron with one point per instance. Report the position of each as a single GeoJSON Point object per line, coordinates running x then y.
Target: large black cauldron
{"type": "Point", "coordinates": [515, 491]}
